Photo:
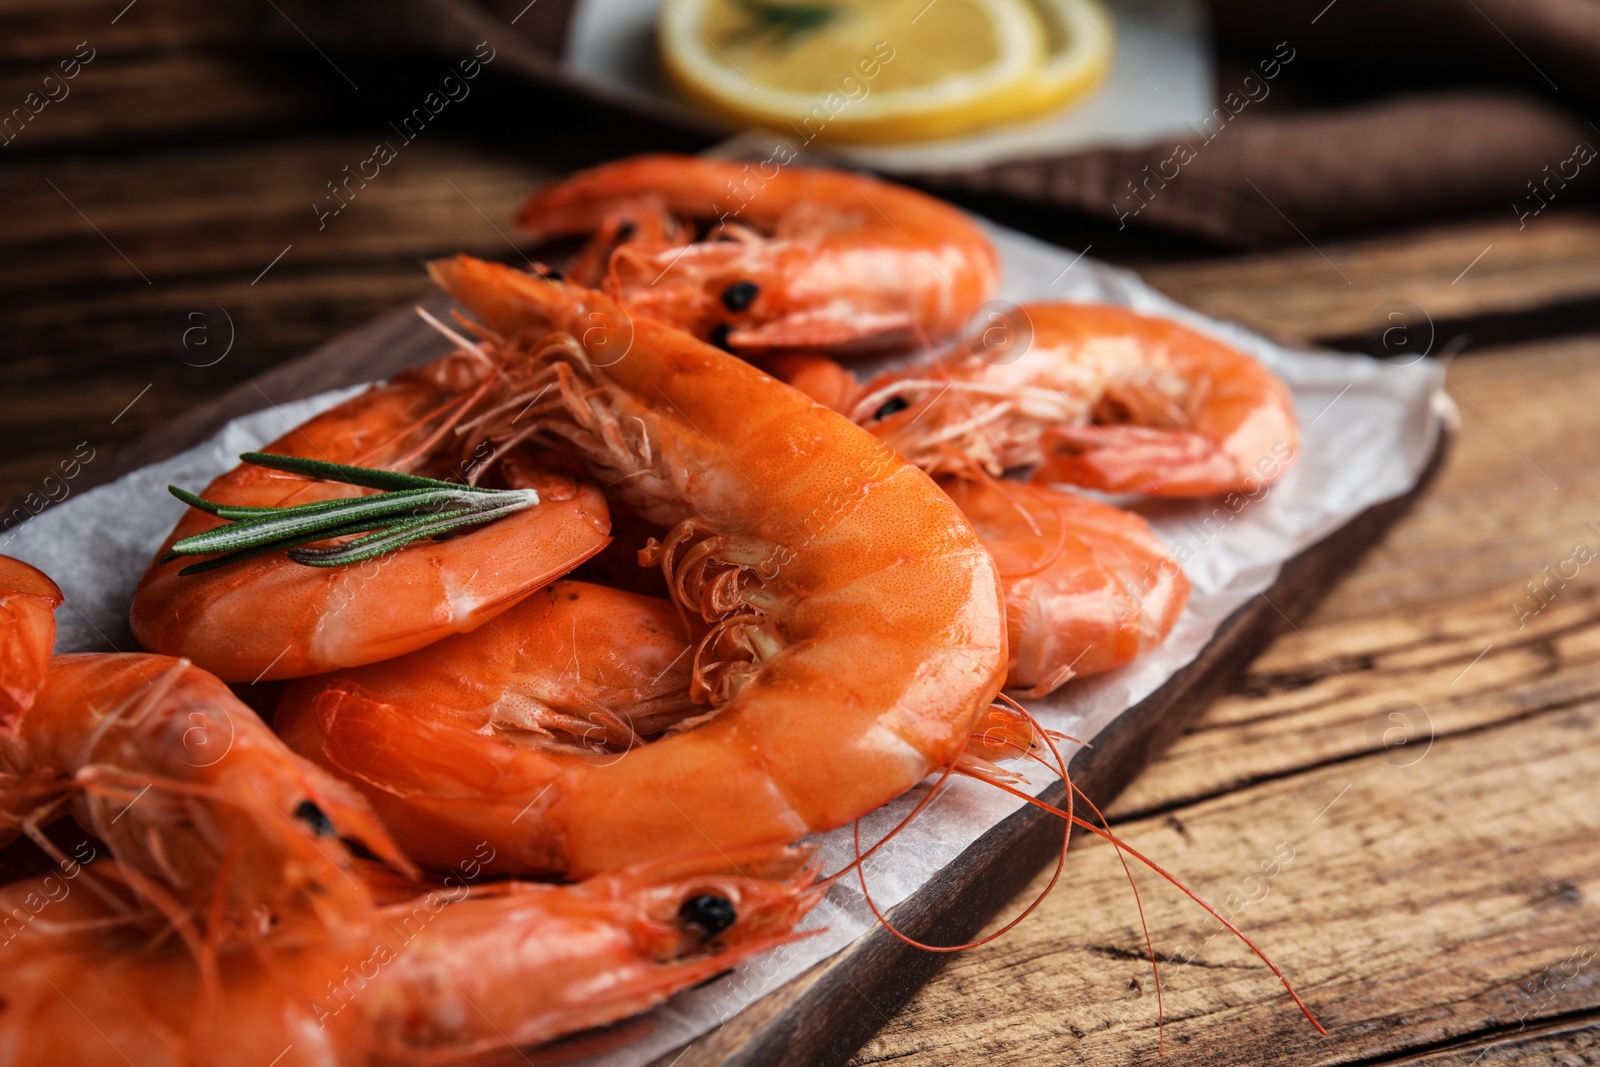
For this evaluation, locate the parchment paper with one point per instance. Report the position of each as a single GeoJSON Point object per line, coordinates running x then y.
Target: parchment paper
{"type": "Point", "coordinates": [1159, 83]}
{"type": "Point", "coordinates": [1369, 428]}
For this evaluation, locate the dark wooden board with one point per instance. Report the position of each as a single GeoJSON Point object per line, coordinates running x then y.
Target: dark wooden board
{"type": "Point", "coordinates": [824, 1015]}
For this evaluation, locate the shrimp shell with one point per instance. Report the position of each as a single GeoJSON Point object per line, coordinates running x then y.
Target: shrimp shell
{"type": "Point", "coordinates": [448, 742]}
{"type": "Point", "coordinates": [28, 601]}
{"type": "Point", "coordinates": [817, 258]}
{"type": "Point", "coordinates": [268, 617]}
{"type": "Point", "coordinates": [855, 616]}
{"type": "Point", "coordinates": [1088, 586]}
{"type": "Point", "coordinates": [202, 806]}
{"type": "Point", "coordinates": [1101, 397]}
{"type": "Point", "coordinates": [450, 975]}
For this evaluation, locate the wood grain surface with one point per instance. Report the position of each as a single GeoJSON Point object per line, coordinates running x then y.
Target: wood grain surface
{"type": "Point", "coordinates": [1426, 755]}
{"type": "Point", "coordinates": [1438, 907]}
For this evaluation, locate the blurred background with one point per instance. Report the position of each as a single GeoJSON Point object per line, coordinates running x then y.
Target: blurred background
{"type": "Point", "coordinates": [165, 232]}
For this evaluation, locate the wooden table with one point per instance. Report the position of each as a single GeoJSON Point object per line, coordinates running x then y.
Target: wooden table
{"type": "Point", "coordinates": [1432, 899]}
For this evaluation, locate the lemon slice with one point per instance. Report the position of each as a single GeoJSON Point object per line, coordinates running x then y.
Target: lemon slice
{"type": "Point", "coordinates": [1078, 46]}
{"type": "Point", "coordinates": [856, 70]}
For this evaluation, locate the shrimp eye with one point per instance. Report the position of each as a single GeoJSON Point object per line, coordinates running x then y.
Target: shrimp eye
{"type": "Point", "coordinates": [314, 817]}
{"type": "Point", "coordinates": [719, 336]}
{"type": "Point", "coordinates": [708, 912]}
{"type": "Point", "coordinates": [626, 230]}
{"type": "Point", "coordinates": [889, 407]}
{"type": "Point", "coordinates": [740, 295]}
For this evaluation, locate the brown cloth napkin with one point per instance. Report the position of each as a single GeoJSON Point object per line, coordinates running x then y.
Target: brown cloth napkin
{"type": "Point", "coordinates": [1389, 112]}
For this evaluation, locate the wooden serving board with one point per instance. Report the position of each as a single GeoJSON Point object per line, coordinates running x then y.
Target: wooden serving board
{"type": "Point", "coordinates": [823, 1016]}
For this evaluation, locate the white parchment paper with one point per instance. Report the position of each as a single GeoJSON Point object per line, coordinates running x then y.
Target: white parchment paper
{"type": "Point", "coordinates": [1159, 83]}
{"type": "Point", "coordinates": [1369, 428]}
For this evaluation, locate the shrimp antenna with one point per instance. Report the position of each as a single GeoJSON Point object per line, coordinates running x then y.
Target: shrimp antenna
{"type": "Point", "coordinates": [1057, 765]}
{"type": "Point", "coordinates": [1060, 768]}
{"type": "Point", "coordinates": [950, 768]}
{"type": "Point", "coordinates": [449, 334]}
{"type": "Point", "coordinates": [1175, 881]}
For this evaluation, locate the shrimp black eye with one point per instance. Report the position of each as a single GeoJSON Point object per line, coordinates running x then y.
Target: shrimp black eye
{"type": "Point", "coordinates": [314, 817]}
{"type": "Point", "coordinates": [889, 407]}
{"type": "Point", "coordinates": [719, 336]}
{"type": "Point", "coordinates": [740, 295]}
{"type": "Point", "coordinates": [626, 230]}
{"type": "Point", "coordinates": [709, 913]}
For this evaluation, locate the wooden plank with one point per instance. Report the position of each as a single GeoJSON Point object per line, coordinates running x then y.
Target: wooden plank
{"type": "Point", "coordinates": [1432, 882]}
{"type": "Point", "coordinates": [87, 333]}
{"type": "Point", "coordinates": [1478, 891]}
{"type": "Point", "coordinates": [117, 99]}
{"type": "Point", "coordinates": [44, 31]}
{"type": "Point", "coordinates": [1333, 290]}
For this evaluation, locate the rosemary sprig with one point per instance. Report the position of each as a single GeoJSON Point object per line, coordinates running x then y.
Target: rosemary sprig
{"type": "Point", "coordinates": [408, 508]}
{"type": "Point", "coordinates": [784, 20]}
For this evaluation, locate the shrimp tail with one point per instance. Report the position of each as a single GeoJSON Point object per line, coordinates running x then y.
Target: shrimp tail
{"type": "Point", "coordinates": [822, 379]}
{"type": "Point", "coordinates": [646, 185]}
{"type": "Point", "coordinates": [823, 330]}
{"type": "Point", "coordinates": [1136, 459]}
{"type": "Point", "coordinates": [1014, 734]}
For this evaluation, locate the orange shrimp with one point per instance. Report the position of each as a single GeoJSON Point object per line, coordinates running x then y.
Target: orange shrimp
{"type": "Point", "coordinates": [211, 819]}
{"type": "Point", "coordinates": [28, 603]}
{"type": "Point", "coordinates": [802, 257]}
{"type": "Point", "coordinates": [1088, 586]}
{"type": "Point", "coordinates": [822, 379]}
{"type": "Point", "coordinates": [846, 620]}
{"type": "Point", "coordinates": [450, 976]}
{"type": "Point", "coordinates": [268, 617]}
{"type": "Point", "coordinates": [1103, 398]}
{"type": "Point", "coordinates": [451, 743]}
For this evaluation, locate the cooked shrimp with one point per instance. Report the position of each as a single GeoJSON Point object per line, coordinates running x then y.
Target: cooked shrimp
{"type": "Point", "coordinates": [846, 620]}
{"type": "Point", "coordinates": [1088, 586]}
{"type": "Point", "coordinates": [801, 258]}
{"type": "Point", "coordinates": [450, 976]}
{"type": "Point", "coordinates": [1103, 398]}
{"type": "Point", "coordinates": [822, 379]}
{"type": "Point", "coordinates": [451, 743]}
{"type": "Point", "coordinates": [208, 814]}
{"type": "Point", "coordinates": [533, 962]}
{"type": "Point", "coordinates": [268, 617]}
{"type": "Point", "coordinates": [28, 603]}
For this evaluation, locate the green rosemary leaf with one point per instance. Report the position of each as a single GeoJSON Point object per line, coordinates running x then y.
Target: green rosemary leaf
{"type": "Point", "coordinates": [290, 522]}
{"type": "Point", "coordinates": [367, 477]}
{"type": "Point", "coordinates": [262, 549]}
{"type": "Point", "coordinates": [407, 508]}
{"type": "Point", "coordinates": [242, 514]}
{"type": "Point", "coordinates": [398, 536]}
{"type": "Point", "coordinates": [193, 501]}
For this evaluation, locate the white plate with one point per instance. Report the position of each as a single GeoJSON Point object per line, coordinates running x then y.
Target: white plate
{"type": "Point", "coordinates": [1160, 83]}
